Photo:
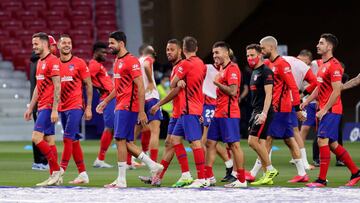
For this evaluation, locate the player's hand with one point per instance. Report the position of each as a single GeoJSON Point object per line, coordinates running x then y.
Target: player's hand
{"type": "Point", "coordinates": [100, 107]}
{"type": "Point", "coordinates": [154, 109]}
{"type": "Point", "coordinates": [320, 114]}
{"type": "Point", "coordinates": [54, 116]}
{"type": "Point", "coordinates": [300, 116]}
{"type": "Point", "coordinates": [304, 105]}
{"type": "Point", "coordinates": [181, 83]}
{"type": "Point", "coordinates": [150, 87]}
{"type": "Point", "coordinates": [218, 75]}
{"type": "Point", "coordinates": [88, 113]}
{"type": "Point", "coordinates": [201, 119]}
{"type": "Point", "coordinates": [28, 114]}
{"type": "Point", "coordinates": [142, 119]}
{"type": "Point", "coordinates": [260, 118]}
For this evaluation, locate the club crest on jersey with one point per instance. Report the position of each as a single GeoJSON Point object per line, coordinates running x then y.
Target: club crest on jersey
{"type": "Point", "coordinates": [255, 77]}
{"type": "Point", "coordinates": [180, 69]}
{"type": "Point", "coordinates": [120, 65]}
{"type": "Point", "coordinates": [43, 66]}
{"type": "Point", "coordinates": [71, 67]}
{"type": "Point", "coordinates": [273, 69]}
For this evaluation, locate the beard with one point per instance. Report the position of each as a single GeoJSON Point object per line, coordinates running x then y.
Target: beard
{"type": "Point", "coordinates": [100, 59]}
{"type": "Point", "coordinates": [115, 51]}
{"type": "Point", "coordinates": [267, 55]}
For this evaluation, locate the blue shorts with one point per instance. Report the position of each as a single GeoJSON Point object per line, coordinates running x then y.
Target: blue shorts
{"type": "Point", "coordinates": [281, 126]}
{"type": "Point", "coordinates": [311, 115]}
{"type": "Point", "coordinates": [171, 125]}
{"type": "Point", "coordinates": [109, 114]}
{"type": "Point", "coordinates": [208, 114]}
{"type": "Point", "coordinates": [125, 122]}
{"type": "Point", "coordinates": [71, 121]}
{"type": "Point", "coordinates": [43, 123]}
{"type": "Point", "coordinates": [226, 130]}
{"type": "Point", "coordinates": [329, 126]}
{"type": "Point", "coordinates": [189, 127]}
{"type": "Point", "coordinates": [294, 119]}
{"type": "Point", "coordinates": [158, 115]}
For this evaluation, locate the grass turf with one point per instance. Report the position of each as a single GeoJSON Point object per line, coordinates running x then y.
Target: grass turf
{"type": "Point", "coordinates": [15, 166]}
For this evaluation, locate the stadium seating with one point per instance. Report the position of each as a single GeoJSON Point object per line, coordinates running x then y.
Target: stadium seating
{"type": "Point", "coordinates": [85, 20]}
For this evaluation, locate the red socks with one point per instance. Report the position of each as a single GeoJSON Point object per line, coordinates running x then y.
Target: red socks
{"type": "Point", "coordinates": [54, 151]}
{"type": "Point", "coordinates": [48, 153]}
{"type": "Point", "coordinates": [105, 142]}
{"type": "Point", "coordinates": [128, 158]}
{"type": "Point", "coordinates": [68, 148]}
{"type": "Point", "coordinates": [199, 158]}
{"type": "Point", "coordinates": [166, 165]}
{"type": "Point", "coordinates": [182, 157]}
{"type": "Point", "coordinates": [241, 175]}
{"type": "Point", "coordinates": [78, 156]}
{"type": "Point", "coordinates": [345, 157]}
{"type": "Point", "coordinates": [208, 172]}
{"type": "Point", "coordinates": [324, 161]}
{"type": "Point", "coordinates": [154, 154]}
{"type": "Point", "coordinates": [228, 150]}
{"type": "Point", "coordinates": [145, 140]}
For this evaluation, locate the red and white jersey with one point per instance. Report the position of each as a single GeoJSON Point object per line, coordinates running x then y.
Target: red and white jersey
{"type": "Point", "coordinates": [46, 68]}
{"type": "Point", "coordinates": [100, 78]}
{"type": "Point", "coordinates": [154, 93]}
{"type": "Point", "coordinates": [177, 101]}
{"type": "Point", "coordinates": [126, 69]}
{"type": "Point", "coordinates": [302, 74]}
{"type": "Point", "coordinates": [72, 74]}
{"type": "Point", "coordinates": [330, 71]}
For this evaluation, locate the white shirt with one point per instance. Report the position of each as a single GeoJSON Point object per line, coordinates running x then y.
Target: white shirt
{"type": "Point", "coordinates": [209, 89]}
{"type": "Point", "coordinates": [149, 94]}
{"type": "Point", "coordinates": [298, 69]}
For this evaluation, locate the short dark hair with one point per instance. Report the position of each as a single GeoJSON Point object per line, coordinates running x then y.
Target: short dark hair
{"type": "Point", "coordinates": [190, 44]}
{"type": "Point", "coordinates": [99, 45]}
{"type": "Point", "coordinates": [64, 36]}
{"type": "Point", "coordinates": [142, 48]}
{"type": "Point", "coordinates": [222, 44]}
{"type": "Point", "coordinates": [42, 36]}
{"type": "Point", "coordinates": [175, 41]}
{"type": "Point", "coordinates": [257, 47]}
{"type": "Point", "coordinates": [330, 38]}
{"type": "Point", "coordinates": [118, 36]}
{"type": "Point", "coordinates": [307, 53]}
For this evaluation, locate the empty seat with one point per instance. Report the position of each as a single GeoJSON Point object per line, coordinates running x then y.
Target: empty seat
{"type": "Point", "coordinates": [83, 25]}
{"type": "Point", "coordinates": [36, 25]}
{"type": "Point", "coordinates": [54, 15]}
{"type": "Point", "coordinates": [106, 24]}
{"type": "Point", "coordinates": [79, 15]}
{"type": "Point", "coordinates": [59, 5]}
{"type": "Point", "coordinates": [11, 5]}
{"type": "Point", "coordinates": [88, 33]}
{"type": "Point", "coordinates": [12, 25]}
{"type": "Point", "coordinates": [5, 15]}
{"type": "Point", "coordinates": [27, 15]}
{"type": "Point", "coordinates": [64, 24]}
{"type": "Point", "coordinates": [37, 5]}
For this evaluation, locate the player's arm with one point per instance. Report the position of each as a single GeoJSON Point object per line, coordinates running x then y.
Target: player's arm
{"type": "Point", "coordinates": [148, 73]}
{"type": "Point", "coordinates": [141, 97]}
{"type": "Point", "coordinates": [311, 79]}
{"type": "Point", "coordinates": [89, 96]}
{"type": "Point", "coordinates": [229, 90]}
{"type": "Point", "coordinates": [261, 118]}
{"type": "Point", "coordinates": [57, 92]}
{"type": "Point", "coordinates": [244, 93]}
{"type": "Point", "coordinates": [28, 112]}
{"type": "Point", "coordinates": [100, 107]}
{"type": "Point", "coordinates": [336, 86]}
{"type": "Point", "coordinates": [352, 83]}
{"type": "Point", "coordinates": [310, 98]}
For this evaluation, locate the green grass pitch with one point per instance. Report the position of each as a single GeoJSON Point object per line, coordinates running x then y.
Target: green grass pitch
{"type": "Point", "coordinates": [15, 166]}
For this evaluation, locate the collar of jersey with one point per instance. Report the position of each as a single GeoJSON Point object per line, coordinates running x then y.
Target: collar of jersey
{"type": "Point", "coordinates": [123, 55]}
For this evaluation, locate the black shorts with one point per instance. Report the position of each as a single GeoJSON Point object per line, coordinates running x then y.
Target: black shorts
{"type": "Point", "coordinates": [258, 130]}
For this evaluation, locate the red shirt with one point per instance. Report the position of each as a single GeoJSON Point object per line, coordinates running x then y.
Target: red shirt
{"type": "Point", "coordinates": [177, 100]}
{"type": "Point", "coordinates": [46, 68]}
{"type": "Point", "coordinates": [285, 91]}
{"type": "Point", "coordinates": [228, 106]}
{"type": "Point", "coordinates": [126, 69]}
{"type": "Point", "coordinates": [209, 100]}
{"type": "Point", "coordinates": [72, 73]}
{"type": "Point", "coordinates": [192, 71]}
{"type": "Point", "coordinates": [329, 71]}
{"type": "Point", "coordinates": [100, 78]}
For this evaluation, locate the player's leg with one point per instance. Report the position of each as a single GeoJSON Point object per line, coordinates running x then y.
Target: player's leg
{"type": "Point", "coordinates": [154, 139]}
{"type": "Point", "coordinates": [213, 136]}
{"type": "Point", "coordinates": [239, 163]}
{"type": "Point", "coordinates": [296, 155]}
{"type": "Point", "coordinates": [222, 152]}
{"type": "Point", "coordinates": [299, 140]}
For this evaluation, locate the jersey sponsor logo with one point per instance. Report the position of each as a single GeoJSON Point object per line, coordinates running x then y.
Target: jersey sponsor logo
{"type": "Point", "coordinates": [233, 76]}
{"type": "Point", "coordinates": [40, 77]}
{"type": "Point", "coordinates": [320, 79]}
{"type": "Point", "coordinates": [252, 87]}
{"type": "Point", "coordinates": [117, 76]}
{"type": "Point", "coordinates": [56, 67]}
{"type": "Point", "coordinates": [135, 67]}
{"type": "Point", "coordinates": [66, 78]}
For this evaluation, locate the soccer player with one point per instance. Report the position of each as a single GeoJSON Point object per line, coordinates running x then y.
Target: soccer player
{"type": "Point", "coordinates": [130, 94]}
{"type": "Point", "coordinates": [102, 82]}
{"type": "Point", "coordinates": [328, 94]}
{"type": "Point", "coordinates": [151, 98]}
{"type": "Point", "coordinates": [74, 72]}
{"type": "Point", "coordinates": [285, 95]}
{"type": "Point", "coordinates": [261, 87]}
{"type": "Point", "coordinates": [225, 126]}
{"type": "Point", "coordinates": [302, 75]}
{"type": "Point", "coordinates": [47, 96]}
{"type": "Point", "coordinates": [173, 53]}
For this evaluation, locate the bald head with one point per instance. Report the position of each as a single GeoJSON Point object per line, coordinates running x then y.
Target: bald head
{"type": "Point", "coordinates": [269, 47]}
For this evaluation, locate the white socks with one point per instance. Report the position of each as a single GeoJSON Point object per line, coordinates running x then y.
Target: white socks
{"type": "Point", "coordinates": [146, 159]}
{"type": "Point", "coordinates": [256, 168]}
{"type": "Point", "coordinates": [234, 173]}
{"type": "Point", "coordinates": [304, 158]}
{"type": "Point", "coordinates": [269, 168]}
{"type": "Point", "coordinates": [122, 172]}
{"type": "Point", "coordinates": [229, 163]}
{"type": "Point", "coordinates": [300, 167]}
{"type": "Point", "coordinates": [186, 174]}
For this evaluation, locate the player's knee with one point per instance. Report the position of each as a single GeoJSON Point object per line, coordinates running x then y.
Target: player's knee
{"type": "Point", "coordinates": [234, 146]}
{"type": "Point", "coordinates": [168, 143]}
{"type": "Point", "coordinates": [252, 143]}
{"type": "Point", "coordinates": [36, 138]}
